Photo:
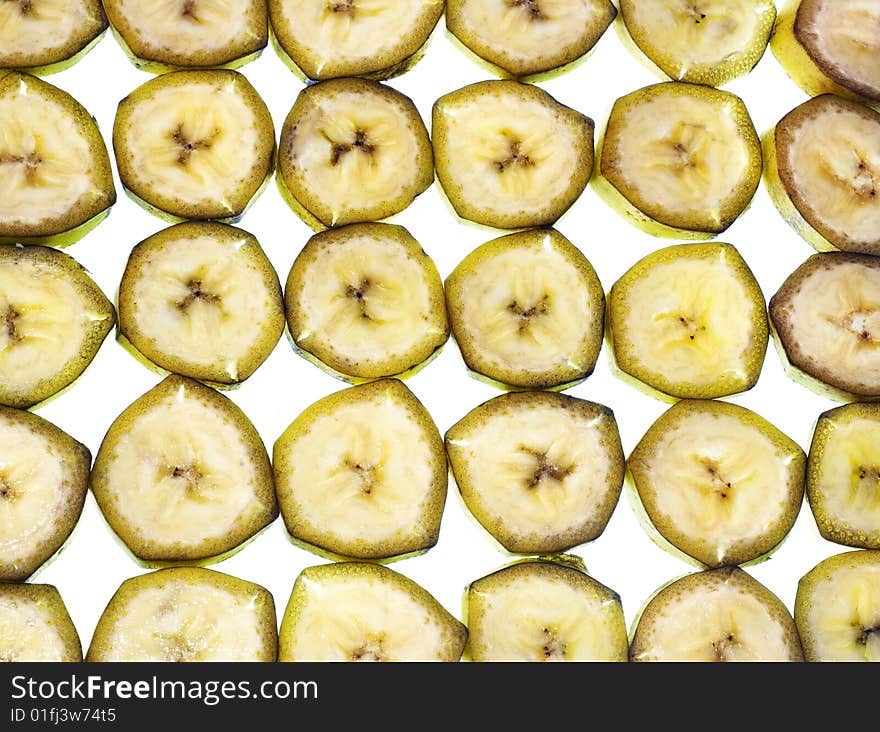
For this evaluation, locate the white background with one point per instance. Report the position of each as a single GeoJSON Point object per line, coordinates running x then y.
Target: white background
{"type": "Point", "coordinates": [94, 563]}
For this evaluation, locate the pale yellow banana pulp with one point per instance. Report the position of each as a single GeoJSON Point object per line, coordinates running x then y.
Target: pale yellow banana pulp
{"type": "Point", "coordinates": [28, 632]}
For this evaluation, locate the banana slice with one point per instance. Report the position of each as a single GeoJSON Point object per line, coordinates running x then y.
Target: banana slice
{"type": "Point", "coordinates": [527, 310]}
{"type": "Point", "coordinates": [718, 482]}
{"type": "Point", "coordinates": [352, 150]}
{"type": "Point", "coordinates": [56, 183]}
{"type": "Point", "coordinates": [541, 472]}
{"type": "Point", "coordinates": [186, 614]}
{"type": "Point", "coordinates": [46, 36]}
{"type": "Point", "coordinates": [362, 473]}
{"type": "Point", "coordinates": [831, 46]}
{"type": "Point", "coordinates": [43, 482]}
{"type": "Point", "coordinates": [843, 475]}
{"type": "Point", "coordinates": [524, 37]}
{"type": "Point", "coordinates": [690, 322]}
{"type": "Point", "coordinates": [542, 611]}
{"type": "Point", "coordinates": [679, 160]}
{"type": "Point", "coordinates": [202, 300]}
{"type": "Point", "coordinates": [54, 320]}
{"type": "Point", "coordinates": [161, 35]}
{"type": "Point", "coordinates": [194, 144]}
{"type": "Point", "coordinates": [509, 155]}
{"type": "Point", "coordinates": [373, 38]}
{"type": "Point", "coordinates": [356, 611]}
{"type": "Point", "coordinates": [826, 317]}
{"type": "Point", "coordinates": [700, 41]}
{"type": "Point", "coordinates": [718, 615]}
{"type": "Point", "coordinates": [182, 475]}
{"type": "Point", "coordinates": [823, 173]}
{"type": "Point", "coordinates": [837, 608]}
{"type": "Point", "coordinates": [35, 626]}
{"type": "Point", "coordinates": [366, 301]}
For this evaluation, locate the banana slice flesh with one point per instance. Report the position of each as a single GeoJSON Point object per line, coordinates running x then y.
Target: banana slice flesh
{"type": "Point", "coordinates": [540, 611]}
{"type": "Point", "coordinates": [35, 626]}
{"type": "Point", "coordinates": [718, 482]}
{"type": "Point", "coordinates": [718, 615]}
{"type": "Point", "coordinates": [366, 300]}
{"type": "Point", "coordinates": [353, 38]}
{"type": "Point", "coordinates": [541, 472]}
{"type": "Point", "coordinates": [531, 36]}
{"type": "Point", "coordinates": [186, 614]}
{"type": "Point", "coordinates": [527, 309]}
{"type": "Point", "coordinates": [362, 473]}
{"type": "Point", "coordinates": [509, 155]}
{"type": "Point", "coordinates": [365, 612]}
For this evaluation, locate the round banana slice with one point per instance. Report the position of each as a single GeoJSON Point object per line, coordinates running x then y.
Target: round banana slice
{"type": "Point", "coordinates": [843, 475]}
{"type": "Point", "coordinates": [362, 473]}
{"type": "Point", "coordinates": [826, 317]}
{"type": "Point", "coordinates": [366, 301]}
{"type": "Point", "coordinates": [679, 160]}
{"type": "Point", "coordinates": [194, 144]}
{"type": "Point", "coordinates": [35, 626]}
{"type": "Point", "coordinates": [509, 155]}
{"type": "Point", "coordinates": [718, 615]}
{"type": "Point", "coordinates": [689, 321]}
{"type": "Point", "coordinates": [541, 472]}
{"type": "Point", "coordinates": [524, 37]}
{"type": "Point", "coordinates": [182, 475]}
{"type": "Point", "coordinates": [352, 150]}
{"type": "Point", "coordinates": [43, 482]}
{"type": "Point", "coordinates": [186, 614]}
{"type": "Point", "coordinates": [56, 183]}
{"type": "Point", "coordinates": [837, 608]}
{"type": "Point", "coordinates": [704, 41]}
{"type": "Point", "coordinates": [831, 46]}
{"type": "Point", "coordinates": [372, 38]}
{"type": "Point", "coordinates": [823, 173]}
{"type": "Point", "coordinates": [357, 611]}
{"type": "Point", "coordinates": [159, 35]}
{"type": "Point", "coordinates": [718, 482]}
{"type": "Point", "coordinates": [543, 611]}
{"type": "Point", "coordinates": [201, 299]}
{"type": "Point", "coordinates": [53, 320]}
{"type": "Point", "coordinates": [46, 36]}
{"type": "Point", "coordinates": [527, 310]}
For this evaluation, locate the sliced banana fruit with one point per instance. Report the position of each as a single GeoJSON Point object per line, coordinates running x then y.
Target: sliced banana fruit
{"type": "Point", "coordinates": [35, 626]}
{"type": "Point", "coordinates": [541, 472]}
{"type": "Point", "coordinates": [54, 319]}
{"type": "Point", "coordinates": [161, 35]}
{"type": "Point", "coordinates": [679, 160]}
{"type": "Point", "coordinates": [509, 155]}
{"type": "Point", "coordinates": [362, 473]}
{"type": "Point", "coordinates": [194, 144]}
{"type": "Point", "coordinates": [186, 614]}
{"type": "Point", "coordinates": [718, 482]}
{"type": "Point", "coordinates": [718, 615]}
{"type": "Point", "coordinates": [366, 301]}
{"type": "Point", "coordinates": [182, 475]}
{"type": "Point", "coordinates": [357, 611]}
{"type": "Point", "coordinates": [823, 173]}
{"type": "Point", "coordinates": [826, 317]}
{"type": "Point", "coordinates": [372, 38]}
{"type": "Point", "coordinates": [690, 322]}
{"type": "Point", "coordinates": [527, 310]}
{"type": "Point", "coordinates": [45, 36]}
{"type": "Point", "coordinates": [201, 299]}
{"type": "Point", "coordinates": [843, 475]}
{"type": "Point", "coordinates": [700, 41]}
{"type": "Point", "coordinates": [543, 611]}
{"type": "Point", "coordinates": [43, 482]}
{"type": "Point", "coordinates": [55, 177]}
{"type": "Point", "coordinates": [529, 36]}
